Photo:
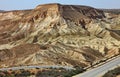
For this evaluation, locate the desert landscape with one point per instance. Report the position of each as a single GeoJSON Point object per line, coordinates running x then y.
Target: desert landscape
{"type": "Point", "coordinates": [56, 34]}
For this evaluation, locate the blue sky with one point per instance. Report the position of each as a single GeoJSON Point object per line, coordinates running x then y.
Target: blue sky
{"type": "Point", "coordinates": [30, 4]}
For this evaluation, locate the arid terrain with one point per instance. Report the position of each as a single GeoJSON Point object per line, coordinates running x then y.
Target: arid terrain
{"type": "Point", "coordinates": [55, 34]}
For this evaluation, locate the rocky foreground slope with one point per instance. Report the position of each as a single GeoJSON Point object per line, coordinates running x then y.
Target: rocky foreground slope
{"type": "Point", "coordinates": [55, 34]}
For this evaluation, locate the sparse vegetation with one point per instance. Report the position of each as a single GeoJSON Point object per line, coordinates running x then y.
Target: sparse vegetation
{"type": "Point", "coordinates": [74, 72]}
{"type": "Point", "coordinates": [112, 73]}
{"type": "Point", "coordinates": [42, 72]}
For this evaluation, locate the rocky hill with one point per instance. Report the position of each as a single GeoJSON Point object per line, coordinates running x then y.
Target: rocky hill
{"type": "Point", "coordinates": [1, 10]}
{"type": "Point", "coordinates": [55, 34]}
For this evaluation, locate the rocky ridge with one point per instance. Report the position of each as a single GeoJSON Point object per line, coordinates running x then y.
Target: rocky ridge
{"type": "Point", "coordinates": [55, 34]}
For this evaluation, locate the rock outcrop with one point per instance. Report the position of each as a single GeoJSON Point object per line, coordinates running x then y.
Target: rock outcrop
{"type": "Point", "coordinates": [55, 34]}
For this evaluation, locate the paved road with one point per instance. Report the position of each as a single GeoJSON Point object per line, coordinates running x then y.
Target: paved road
{"type": "Point", "coordinates": [30, 67]}
{"type": "Point", "coordinates": [98, 71]}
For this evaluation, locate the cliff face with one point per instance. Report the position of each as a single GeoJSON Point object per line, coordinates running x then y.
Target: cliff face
{"type": "Point", "coordinates": [55, 34]}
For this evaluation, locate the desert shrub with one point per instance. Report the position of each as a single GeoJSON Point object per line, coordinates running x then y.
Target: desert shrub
{"type": "Point", "coordinates": [112, 73]}
{"type": "Point", "coordinates": [74, 72]}
{"type": "Point", "coordinates": [25, 73]}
